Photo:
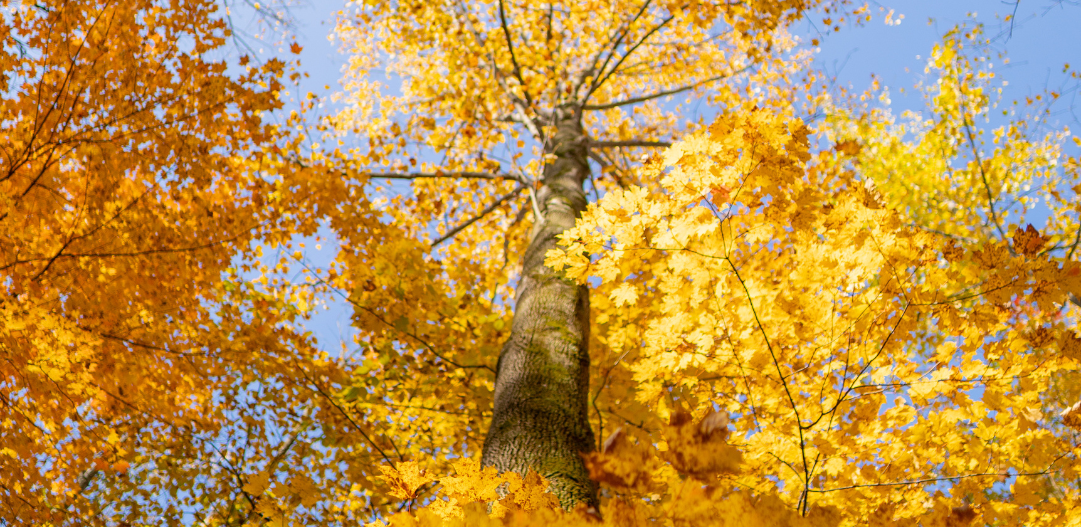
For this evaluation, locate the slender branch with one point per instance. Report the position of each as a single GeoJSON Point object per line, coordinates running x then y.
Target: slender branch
{"type": "Point", "coordinates": [631, 143]}
{"type": "Point", "coordinates": [438, 174]}
{"type": "Point", "coordinates": [519, 105]}
{"type": "Point", "coordinates": [1076, 242]}
{"type": "Point", "coordinates": [664, 93]}
{"type": "Point", "coordinates": [630, 51]}
{"type": "Point", "coordinates": [351, 421]}
{"type": "Point", "coordinates": [451, 233]}
{"type": "Point", "coordinates": [443, 175]}
{"type": "Point", "coordinates": [943, 478]}
{"type": "Point", "coordinates": [983, 177]}
{"type": "Point", "coordinates": [780, 375]}
{"type": "Point", "coordinates": [377, 316]}
{"type": "Point", "coordinates": [536, 206]}
{"type": "Point", "coordinates": [513, 59]}
{"type": "Point", "coordinates": [301, 427]}
{"type": "Point", "coordinates": [615, 44]}
{"type": "Point", "coordinates": [122, 255]}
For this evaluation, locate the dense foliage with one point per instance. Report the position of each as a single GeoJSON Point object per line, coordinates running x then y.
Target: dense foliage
{"type": "Point", "coordinates": [800, 310]}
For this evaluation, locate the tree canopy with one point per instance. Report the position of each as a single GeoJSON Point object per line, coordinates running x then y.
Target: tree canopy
{"type": "Point", "coordinates": [577, 298]}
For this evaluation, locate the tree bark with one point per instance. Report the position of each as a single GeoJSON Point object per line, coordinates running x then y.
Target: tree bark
{"type": "Point", "coordinates": [540, 417]}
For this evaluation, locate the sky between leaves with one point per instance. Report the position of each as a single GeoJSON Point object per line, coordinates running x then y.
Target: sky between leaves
{"type": "Point", "coordinates": [1040, 43]}
{"type": "Point", "coordinates": [872, 347]}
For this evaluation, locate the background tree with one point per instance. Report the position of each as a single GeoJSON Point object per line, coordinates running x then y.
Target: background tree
{"type": "Point", "coordinates": [997, 179]}
{"type": "Point", "coordinates": [140, 378]}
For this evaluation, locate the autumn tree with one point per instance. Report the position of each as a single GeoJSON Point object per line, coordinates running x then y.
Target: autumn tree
{"type": "Point", "coordinates": [576, 299]}
{"type": "Point", "coordinates": [505, 109]}
{"type": "Point", "coordinates": [134, 177]}
{"type": "Point", "coordinates": [743, 271]}
{"type": "Point", "coordinates": [997, 178]}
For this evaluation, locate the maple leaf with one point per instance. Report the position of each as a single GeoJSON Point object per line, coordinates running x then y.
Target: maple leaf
{"type": "Point", "coordinates": [1072, 416]}
{"type": "Point", "coordinates": [699, 448]}
{"type": "Point", "coordinates": [404, 479]}
{"type": "Point", "coordinates": [623, 464]}
{"type": "Point", "coordinates": [1028, 241]}
{"type": "Point", "coordinates": [848, 147]}
{"type": "Point", "coordinates": [720, 196]}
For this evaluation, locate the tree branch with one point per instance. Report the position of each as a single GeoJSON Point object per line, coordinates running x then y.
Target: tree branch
{"type": "Point", "coordinates": [1007, 474]}
{"type": "Point", "coordinates": [447, 175]}
{"type": "Point", "coordinates": [510, 47]}
{"type": "Point", "coordinates": [451, 233]}
{"type": "Point", "coordinates": [615, 44]}
{"type": "Point", "coordinates": [631, 143]}
{"type": "Point", "coordinates": [673, 91]}
{"type": "Point", "coordinates": [983, 177]}
{"type": "Point", "coordinates": [630, 51]}
{"type": "Point", "coordinates": [517, 102]}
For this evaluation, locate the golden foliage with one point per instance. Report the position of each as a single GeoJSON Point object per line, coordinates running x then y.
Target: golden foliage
{"type": "Point", "coordinates": [784, 331]}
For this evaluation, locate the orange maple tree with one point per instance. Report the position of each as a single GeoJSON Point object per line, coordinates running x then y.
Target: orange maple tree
{"type": "Point", "coordinates": [575, 302]}
{"type": "Point", "coordinates": [133, 177]}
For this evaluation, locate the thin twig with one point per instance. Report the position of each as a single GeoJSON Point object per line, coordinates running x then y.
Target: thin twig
{"type": "Point", "coordinates": [629, 144]}
{"type": "Point", "coordinates": [663, 93]}
{"type": "Point", "coordinates": [451, 233]}
{"type": "Point", "coordinates": [443, 175]}
{"type": "Point", "coordinates": [943, 478]}
{"type": "Point", "coordinates": [983, 177]}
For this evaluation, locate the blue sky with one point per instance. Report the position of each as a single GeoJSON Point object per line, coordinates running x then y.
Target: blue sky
{"type": "Point", "coordinates": [1044, 37]}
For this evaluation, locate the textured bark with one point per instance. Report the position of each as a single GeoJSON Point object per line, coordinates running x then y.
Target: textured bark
{"type": "Point", "coordinates": [540, 418]}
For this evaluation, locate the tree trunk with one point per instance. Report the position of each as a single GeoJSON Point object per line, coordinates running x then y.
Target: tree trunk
{"type": "Point", "coordinates": [540, 418]}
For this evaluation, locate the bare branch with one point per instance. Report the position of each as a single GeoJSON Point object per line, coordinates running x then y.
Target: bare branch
{"type": "Point", "coordinates": [1007, 474]}
{"type": "Point", "coordinates": [451, 233]}
{"type": "Point", "coordinates": [632, 143]}
{"type": "Point", "coordinates": [983, 177]}
{"type": "Point", "coordinates": [673, 91]}
{"type": "Point", "coordinates": [444, 175]}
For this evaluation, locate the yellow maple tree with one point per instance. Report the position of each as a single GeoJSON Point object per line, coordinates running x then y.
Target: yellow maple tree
{"type": "Point", "coordinates": [501, 109]}
{"type": "Point", "coordinates": [870, 362]}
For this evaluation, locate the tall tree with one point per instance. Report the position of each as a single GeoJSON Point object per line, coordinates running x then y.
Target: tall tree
{"type": "Point", "coordinates": [133, 176]}
{"type": "Point", "coordinates": [524, 97]}
{"type": "Point", "coordinates": [879, 372]}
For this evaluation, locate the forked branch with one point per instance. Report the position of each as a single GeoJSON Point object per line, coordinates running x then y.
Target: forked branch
{"type": "Point", "coordinates": [603, 77]}
{"type": "Point", "coordinates": [622, 33]}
